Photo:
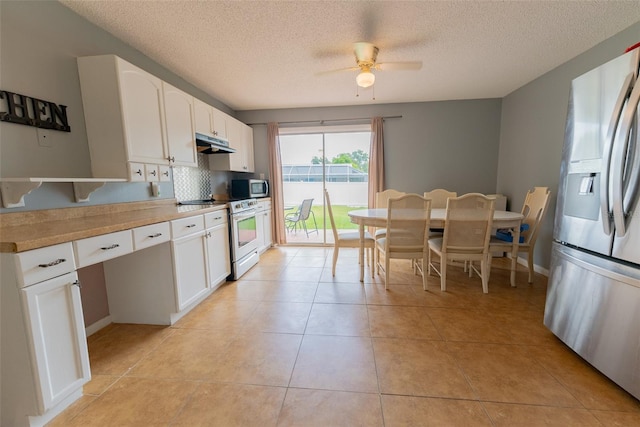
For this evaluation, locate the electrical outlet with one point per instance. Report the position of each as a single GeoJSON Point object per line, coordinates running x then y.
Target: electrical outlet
{"type": "Point", "coordinates": [45, 138]}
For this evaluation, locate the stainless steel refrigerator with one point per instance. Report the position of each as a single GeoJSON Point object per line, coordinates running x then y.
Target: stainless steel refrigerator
{"type": "Point", "coordinates": [593, 296]}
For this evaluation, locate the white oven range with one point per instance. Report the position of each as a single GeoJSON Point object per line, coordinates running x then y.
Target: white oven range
{"type": "Point", "coordinates": [243, 235]}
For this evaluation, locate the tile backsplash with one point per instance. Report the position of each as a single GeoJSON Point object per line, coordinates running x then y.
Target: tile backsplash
{"type": "Point", "coordinates": [199, 183]}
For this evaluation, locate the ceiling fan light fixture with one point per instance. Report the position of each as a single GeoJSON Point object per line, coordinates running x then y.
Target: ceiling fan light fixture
{"type": "Point", "coordinates": [365, 79]}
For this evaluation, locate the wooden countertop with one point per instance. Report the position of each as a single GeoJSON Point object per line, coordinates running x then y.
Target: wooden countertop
{"type": "Point", "coordinates": [23, 231]}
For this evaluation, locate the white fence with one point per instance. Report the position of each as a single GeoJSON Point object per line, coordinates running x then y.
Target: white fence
{"type": "Point", "coordinates": [341, 193]}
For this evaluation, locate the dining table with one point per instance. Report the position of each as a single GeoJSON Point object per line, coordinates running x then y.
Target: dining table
{"type": "Point", "coordinates": [378, 218]}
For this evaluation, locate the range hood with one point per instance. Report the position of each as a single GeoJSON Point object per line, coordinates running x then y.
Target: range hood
{"type": "Point", "coordinates": [210, 145]}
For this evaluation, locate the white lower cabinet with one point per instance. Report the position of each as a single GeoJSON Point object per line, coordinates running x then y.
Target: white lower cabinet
{"type": "Point", "coordinates": [58, 343]}
{"type": "Point", "coordinates": [190, 266]}
{"type": "Point", "coordinates": [218, 260]}
{"type": "Point", "coordinates": [44, 360]}
{"type": "Point", "coordinates": [263, 225]}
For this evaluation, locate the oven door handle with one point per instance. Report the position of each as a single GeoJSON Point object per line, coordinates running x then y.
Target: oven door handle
{"type": "Point", "coordinates": [246, 214]}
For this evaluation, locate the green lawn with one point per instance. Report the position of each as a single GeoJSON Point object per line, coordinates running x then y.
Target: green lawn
{"type": "Point", "coordinates": [339, 215]}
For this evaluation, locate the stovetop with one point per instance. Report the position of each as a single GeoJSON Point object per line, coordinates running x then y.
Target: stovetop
{"type": "Point", "coordinates": [235, 205]}
{"type": "Point", "coordinates": [203, 202]}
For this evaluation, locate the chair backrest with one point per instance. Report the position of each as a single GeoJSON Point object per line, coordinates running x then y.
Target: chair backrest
{"type": "Point", "coordinates": [333, 222]}
{"type": "Point", "coordinates": [533, 209]}
{"type": "Point", "coordinates": [439, 197]}
{"type": "Point", "coordinates": [382, 197]}
{"type": "Point", "coordinates": [408, 220]}
{"type": "Point", "coordinates": [305, 209]}
{"type": "Point", "coordinates": [468, 224]}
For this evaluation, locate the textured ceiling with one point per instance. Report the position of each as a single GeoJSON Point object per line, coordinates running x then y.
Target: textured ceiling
{"type": "Point", "coordinates": [268, 54]}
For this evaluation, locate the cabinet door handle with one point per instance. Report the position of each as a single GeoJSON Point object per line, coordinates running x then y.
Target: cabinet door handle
{"type": "Point", "coordinates": [77, 283]}
{"type": "Point", "coordinates": [153, 173]}
{"type": "Point", "coordinates": [52, 263]}
{"type": "Point", "coordinates": [172, 159]}
{"type": "Point", "coordinates": [215, 133]}
{"type": "Point", "coordinates": [217, 218]}
{"type": "Point", "coordinates": [209, 234]}
{"type": "Point", "coordinates": [191, 225]}
{"type": "Point", "coordinates": [165, 173]}
{"type": "Point", "coordinates": [139, 172]}
{"type": "Point", "coordinates": [153, 236]}
{"type": "Point", "coordinates": [106, 248]}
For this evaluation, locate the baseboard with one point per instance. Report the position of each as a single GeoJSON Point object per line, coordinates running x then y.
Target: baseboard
{"type": "Point", "coordinates": [536, 267]}
{"type": "Point", "coordinates": [95, 327]}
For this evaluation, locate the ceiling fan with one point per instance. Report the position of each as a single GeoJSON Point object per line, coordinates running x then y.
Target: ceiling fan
{"type": "Point", "coordinates": [366, 55]}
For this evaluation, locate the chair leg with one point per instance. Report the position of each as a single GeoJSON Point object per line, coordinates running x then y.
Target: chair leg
{"type": "Point", "coordinates": [424, 276]}
{"type": "Point", "coordinates": [530, 264]}
{"type": "Point", "coordinates": [304, 227]}
{"type": "Point", "coordinates": [484, 264]}
{"type": "Point", "coordinates": [336, 249]}
{"type": "Point", "coordinates": [443, 273]}
{"type": "Point", "coordinates": [372, 260]}
{"type": "Point", "coordinates": [386, 271]}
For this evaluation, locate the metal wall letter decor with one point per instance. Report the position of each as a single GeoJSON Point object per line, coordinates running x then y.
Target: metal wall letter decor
{"type": "Point", "coordinates": [25, 110]}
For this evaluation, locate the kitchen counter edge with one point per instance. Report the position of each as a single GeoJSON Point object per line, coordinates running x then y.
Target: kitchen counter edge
{"type": "Point", "coordinates": [54, 230]}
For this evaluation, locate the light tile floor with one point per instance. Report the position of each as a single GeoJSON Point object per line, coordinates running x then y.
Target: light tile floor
{"type": "Point", "coordinates": [290, 345]}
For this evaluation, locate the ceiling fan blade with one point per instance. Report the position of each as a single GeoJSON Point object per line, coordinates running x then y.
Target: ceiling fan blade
{"type": "Point", "coordinates": [339, 70]}
{"type": "Point", "coordinates": [408, 65]}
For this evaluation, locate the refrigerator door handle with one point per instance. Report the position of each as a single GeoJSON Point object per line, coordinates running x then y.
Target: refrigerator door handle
{"type": "Point", "coordinates": [605, 212]}
{"type": "Point", "coordinates": [619, 160]}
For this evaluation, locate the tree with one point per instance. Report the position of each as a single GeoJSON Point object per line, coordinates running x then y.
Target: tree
{"type": "Point", "coordinates": [358, 159]}
{"type": "Point", "coordinates": [316, 160]}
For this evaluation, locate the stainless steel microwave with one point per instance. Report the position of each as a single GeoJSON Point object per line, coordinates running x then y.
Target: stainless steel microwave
{"type": "Point", "coordinates": [248, 188]}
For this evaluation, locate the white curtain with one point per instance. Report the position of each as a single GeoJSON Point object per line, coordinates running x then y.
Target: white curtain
{"type": "Point", "coordinates": [277, 197]}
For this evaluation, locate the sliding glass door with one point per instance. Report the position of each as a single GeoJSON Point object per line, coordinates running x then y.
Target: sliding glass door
{"type": "Point", "coordinates": [335, 159]}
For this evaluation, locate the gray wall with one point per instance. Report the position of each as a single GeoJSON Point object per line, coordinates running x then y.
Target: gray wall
{"type": "Point", "coordinates": [450, 144]}
{"type": "Point", "coordinates": [39, 44]}
{"type": "Point", "coordinates": [532, 131]}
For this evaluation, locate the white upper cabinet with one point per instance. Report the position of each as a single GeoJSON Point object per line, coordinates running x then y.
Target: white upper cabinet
{"type": "Point", "coordinates": [124, 115]}
{"type": "Point", "coordinates": [248, 147]}
{"type": "Point", "coordinates": [204, 117]}
{"type": "Point", "coordinates": [240, 139]}
{"type": "Point", "coordinates": [220, 124]}
{"type": "Point", "coordinates": [179, 111]}
{"type": "Point", "coordinates": [211, 121]}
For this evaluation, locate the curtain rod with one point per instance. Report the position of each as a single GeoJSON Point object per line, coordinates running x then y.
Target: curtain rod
{"type": "Point", "coordinates": [322, 122]}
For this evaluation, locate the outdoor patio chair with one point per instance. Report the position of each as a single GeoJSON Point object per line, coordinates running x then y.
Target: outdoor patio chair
{"type": "Point", "coordinates": [300, 217]}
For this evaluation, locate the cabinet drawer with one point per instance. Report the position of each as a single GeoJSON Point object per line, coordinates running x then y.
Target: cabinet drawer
{"type": "Point", "coordinates": [44, 263]}
{"type": "Point", "coordinates": [264, 206]}
{"type": "Point", "coordinates": [165, 174]}
{"type": "Point", "coordinates": [151, 173]}
{"type": "Point", "coordinates": [215, 218]}
{"type": "Point", "coordinates": [101, 248]}
{"type": "Point", "coordinates": [150, 235]}
{"type": "Point", "coordinates": [136, 171]}
{"type": "Point", "coordinates": [184, 226]}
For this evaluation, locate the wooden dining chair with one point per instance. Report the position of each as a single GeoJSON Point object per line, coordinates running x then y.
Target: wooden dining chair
{"type": "Point", "coordinates": [439, 197]}
{"type": "Point", "coordinates": [347, 239]}
{"type": "Point", "coordinates": [534, 208]}
{"type": "Point", "coordinates": [382, 199]}
{"type": "Point", "coordinates": [406, 234]}
{"type": "Point", "coordinates": [467, 231]}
